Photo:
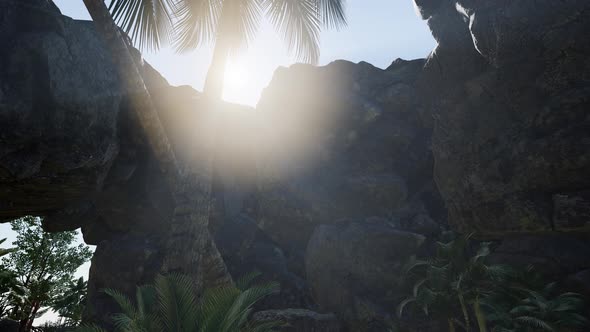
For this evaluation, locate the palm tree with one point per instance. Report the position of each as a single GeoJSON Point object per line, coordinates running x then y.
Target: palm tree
{"type": "Point", "coordinates": [196, 255]}
{"type": "Point", "coordinates": [231, 24]}
{"type": "Point", "coordinates": [170, 305]}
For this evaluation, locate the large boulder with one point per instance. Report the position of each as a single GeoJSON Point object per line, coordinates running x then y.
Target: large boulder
{"type": "Point", "coordinates": [60, 100]}
{"type": "Point", "coordinates": [508, 89]}
{"type": "Point", "coordinates": [354, 269]}
{"type": "Point", "coordinates": [343, 141]}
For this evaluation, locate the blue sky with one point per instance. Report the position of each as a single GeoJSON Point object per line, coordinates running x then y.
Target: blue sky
{"type": "Point", "coordinates": [378, 32]}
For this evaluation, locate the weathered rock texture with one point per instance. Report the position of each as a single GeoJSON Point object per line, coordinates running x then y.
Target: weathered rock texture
{"type": "Point", "coordinates": [508, 88]}
{"type": "Point", "coordinates": [341, 174]}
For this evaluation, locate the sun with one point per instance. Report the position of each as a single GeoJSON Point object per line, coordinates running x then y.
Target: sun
{"type": "Point", "coordinates": [241, 84]}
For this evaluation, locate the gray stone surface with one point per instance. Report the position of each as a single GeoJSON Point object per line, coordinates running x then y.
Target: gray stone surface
{"type": "Point", "coordinates": [354, 270]}
{"type": "Point", "coordinates": [508, 89]}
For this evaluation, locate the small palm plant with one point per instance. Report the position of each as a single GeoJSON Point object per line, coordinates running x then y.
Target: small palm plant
{"type": "Point", "coordinates": [451, 282]}
{"type": "Point", "coordinates": [521, 309]}
{"type": "Point", "coordinates": [170, 305]}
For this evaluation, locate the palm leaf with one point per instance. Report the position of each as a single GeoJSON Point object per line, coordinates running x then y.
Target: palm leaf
{"type": "Point", "coordinates": [177, 302]}
{"type": "Point", "coordinates": [535, 323]}
{"type": "Point", "coordinates": [299, 24]}
{"type": "Point", "coordinates": [123, 302]}
{"type": "Point", "coordinates": [332, 13]}
{"type": "Point", "coordinates": [245, 281]}
{"type": "Point", "coordinates": [147, 22]}
{"type": "Point", "coordinates": [240, 309]}
{"type": "Point", "coordinates": [214, 307]}
{"type": "Point", "coordinates": [403, 304]}
{"type": "Point", "coordinates": [239, 23]}
{"type": "Point", "coordinates": [196, 23]}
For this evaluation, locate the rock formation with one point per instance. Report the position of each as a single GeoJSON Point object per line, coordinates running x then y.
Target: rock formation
{"type": "Point", "coordinates": [341, 174]}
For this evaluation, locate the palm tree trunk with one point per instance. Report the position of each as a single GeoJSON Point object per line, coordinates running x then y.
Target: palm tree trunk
{"type": "Point", "coordinates": [464, 310]}
{"type": "Point", "coordinates": [190, 249]}
{"type": "Point", "coordinates": [213, 91]}
{"type": "Point", "coordinates": [214, 81]}
{"type": "Point", "coordinates": [480, 316]}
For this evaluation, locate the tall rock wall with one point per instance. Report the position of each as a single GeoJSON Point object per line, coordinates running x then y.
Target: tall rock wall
{"type": "Point", "coordinates": [508, 89]}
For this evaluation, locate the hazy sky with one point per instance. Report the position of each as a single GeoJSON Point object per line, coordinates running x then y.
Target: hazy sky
{"type": "Point", "coordinates": [378, 32]}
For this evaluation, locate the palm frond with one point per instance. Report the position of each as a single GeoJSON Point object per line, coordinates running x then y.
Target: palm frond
{"type": "Point", "coordinates": [332, 12]}
{"type": "Point", "coordinates": [177, 302]}
{"type": "Point", "coordinates": [299, 23]}
{"type": "Point", "coordinates": [123, 302]}
{"type": "Point", "coordinates": [196, 23]}
{"type": "Point", "coordinates": [214, 307]}
{"type": "Point", "coordinates": [535, 322]}
{"type": "Point", "coordinates": [238, 313]}
{"type": "Point", "coordinates": [403, 304]}
{"type": "Point", "coordinates": [147, 22]}
{"type": "Point", "coordinates": [245, 281]}
{"type": "Point", "coordinates": [239, 23]}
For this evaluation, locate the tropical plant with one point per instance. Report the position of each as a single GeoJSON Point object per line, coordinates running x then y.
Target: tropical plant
{"type": "Point", "coordinates": [44, 263]}
{"type": "Point", "coordinates": [70, 305]}
{"type": "Point", "coordinates": [451, 282]}
{"type": "Point", "coordinates": [522, 304]}
{"type": "Point", "coordinates": [170, 305]}
{"type": "Point", "coordinates": [8, 281]}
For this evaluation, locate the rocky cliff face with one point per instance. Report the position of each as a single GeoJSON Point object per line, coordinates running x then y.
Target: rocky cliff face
{"type": "Point", "coordinates": [342, 173]}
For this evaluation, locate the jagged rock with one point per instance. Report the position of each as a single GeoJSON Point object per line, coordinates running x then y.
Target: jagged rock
{"type": "Point", "coordinates": [122, 263]}
{"type": "Point", "coordinates": [246, 249]}
{"type": "Point", "coordinates": [59, 103]}
{"type": "Point", "coordinates": [343, 141]}
{"type": "Point", "coordinates": [571, 211]}
{"type": "Point", "coordinates": [299, 320]}
{"type": "Point", "coordinates": [555, 255]}
{"type": "Point", "coordinates": [508, 88]}
{"type": "Point", "coordinates": [353, 269]}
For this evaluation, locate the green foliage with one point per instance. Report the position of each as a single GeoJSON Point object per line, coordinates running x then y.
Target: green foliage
{"type": "Point", "coordinates": [147, 21]}
{"type": "Point", "coordinates": [522, 304]}
{"type": "Point", "coordinates": [170, 304]}
{"type": "Point", "coordinates": [191, 23]}
{"type": "Point", "coordinates": [39, 270]}
{"type": "Point", "coordinates": [5, 251]}
{"type": "Point", "coordinates": [299, 22]}
{"type": "Point", "coordinates": [457, 286]}
{"type": "Point", "coordinates": [70, 305]}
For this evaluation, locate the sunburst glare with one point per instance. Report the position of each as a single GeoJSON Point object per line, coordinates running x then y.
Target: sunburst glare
{"type": "Point", "coordinates": [241, 83]}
